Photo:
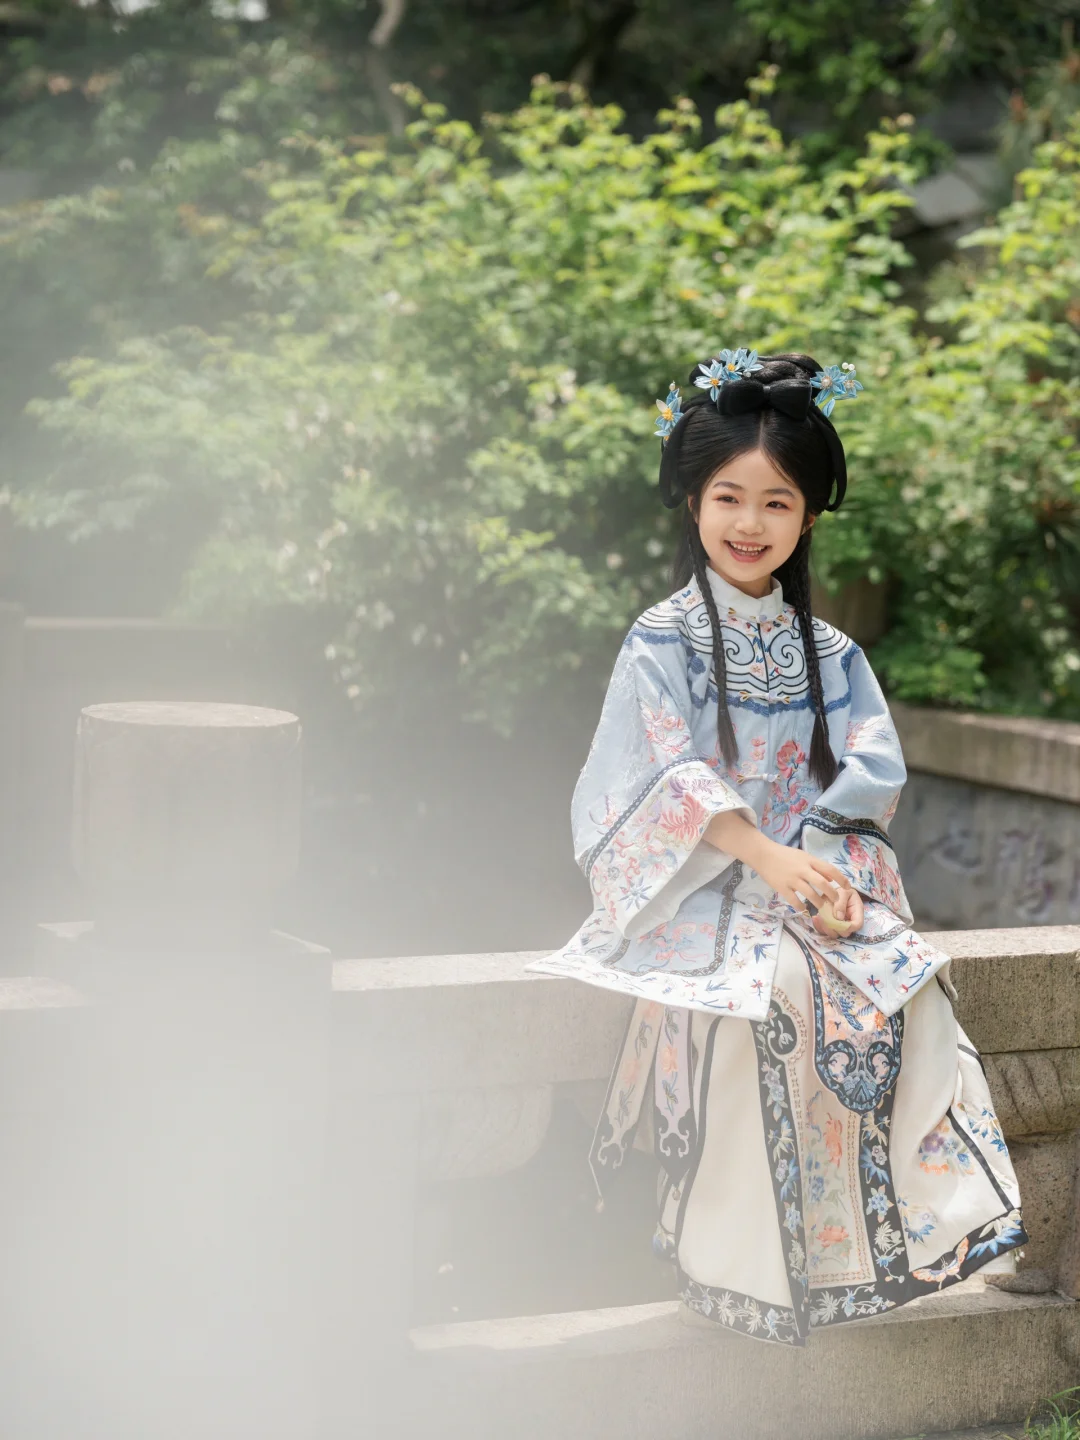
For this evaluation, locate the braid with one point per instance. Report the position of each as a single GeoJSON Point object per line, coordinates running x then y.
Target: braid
{"type": "Point", "coordinates": [725, 731]}
{"type": "Point", "coordinates": [796, 583]}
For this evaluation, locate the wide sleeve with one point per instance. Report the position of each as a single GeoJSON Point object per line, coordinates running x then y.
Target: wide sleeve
{"type": "Point", "coordinates": [849, 823]}
{"type": "Point", "coordinates": [646, 794]}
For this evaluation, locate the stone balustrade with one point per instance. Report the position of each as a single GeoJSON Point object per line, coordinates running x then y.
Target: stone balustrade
{"type": "Point", "coordinates": [445, 1067]}
{"type": "Point", "coordinates": [486, 1041]}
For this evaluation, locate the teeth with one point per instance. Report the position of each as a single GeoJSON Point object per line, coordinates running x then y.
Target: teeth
{"type": "Point", "coordinates": [747, 549]}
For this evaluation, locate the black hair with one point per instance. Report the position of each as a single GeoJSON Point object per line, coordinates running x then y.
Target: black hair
{"type": "Point", "coordinates": [804, 448]}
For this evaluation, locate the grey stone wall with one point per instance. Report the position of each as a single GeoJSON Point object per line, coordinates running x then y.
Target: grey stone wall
{"type": "Point", "coordinates": [988, 828]}
{"type": "Point", "coordinates": [976, 856]}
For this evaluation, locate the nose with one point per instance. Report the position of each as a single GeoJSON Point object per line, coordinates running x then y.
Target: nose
{"type": "Point", "coordinates": [749, 522]}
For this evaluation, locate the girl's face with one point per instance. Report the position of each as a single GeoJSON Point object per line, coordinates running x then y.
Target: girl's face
{"type": "Point", "coordinates": [750, 518]}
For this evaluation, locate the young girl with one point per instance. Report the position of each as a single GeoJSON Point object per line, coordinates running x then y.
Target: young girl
{"type": "Point", "coordinates": [828, 1142]}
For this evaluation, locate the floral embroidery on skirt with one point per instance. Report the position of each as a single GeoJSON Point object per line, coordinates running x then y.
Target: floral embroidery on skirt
{"type": "Point", "coordinates": [841, 1163]}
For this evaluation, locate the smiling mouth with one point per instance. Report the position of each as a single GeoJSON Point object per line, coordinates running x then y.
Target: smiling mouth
{"type": "Point", "coordinates": [746, 553]}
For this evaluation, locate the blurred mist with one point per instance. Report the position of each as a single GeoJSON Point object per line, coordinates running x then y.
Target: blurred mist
{"type": "Point", "coordinates": [331, 337]}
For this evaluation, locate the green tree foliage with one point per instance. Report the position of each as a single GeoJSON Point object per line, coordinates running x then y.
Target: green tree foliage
{"type": "Point", "coordinates": [400, 386]}
{"type": "Point", "coordinates": [990, 598]}
{"type": "Point", "coordinates": [840, 73]}
{"type": "Point", "coordinates": [424, 411]}
{"type": "Point", "coordinates": [137, 132]}
{"type": "Point", "coordinates": [908, 56]}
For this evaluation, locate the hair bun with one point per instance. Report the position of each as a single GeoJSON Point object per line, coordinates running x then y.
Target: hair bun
{"type": "Point", "coordinates": [791, 397]}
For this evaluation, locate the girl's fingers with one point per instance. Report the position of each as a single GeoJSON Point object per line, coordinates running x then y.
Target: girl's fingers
{"type": "Point", "coordinates": [808, 893]}
{"type": "Point", "coordinates": [831, 873]}
{"type": "Point", "coordinates": [816, 888]}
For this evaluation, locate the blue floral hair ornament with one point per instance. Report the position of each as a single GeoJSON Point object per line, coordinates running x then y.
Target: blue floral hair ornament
{"type": "Point", "coordinates": [728, 365]}
{"type": "Point", "coordinates": [670, 412]}
{"type": "Point", "coordinates": [835, 382]}
{"type": "Point", "coordinates": [737, 363]}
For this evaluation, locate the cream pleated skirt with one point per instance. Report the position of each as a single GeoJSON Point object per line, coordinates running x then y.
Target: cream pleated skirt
{"type": "Point", "coordinates": [828, 1163]}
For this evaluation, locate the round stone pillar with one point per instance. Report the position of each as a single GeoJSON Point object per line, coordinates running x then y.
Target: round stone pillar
{"type": "Point", "coordinates": [187, 817]}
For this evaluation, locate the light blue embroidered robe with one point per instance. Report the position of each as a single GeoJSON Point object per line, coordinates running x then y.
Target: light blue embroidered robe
{"type": "Point", "coordinates": [677, 921]}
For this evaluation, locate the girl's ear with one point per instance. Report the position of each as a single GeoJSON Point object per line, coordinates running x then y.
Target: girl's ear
{"type": "Point", "coordinates": [808, 523]}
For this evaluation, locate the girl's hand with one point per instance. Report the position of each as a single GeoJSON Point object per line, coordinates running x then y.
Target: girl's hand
{"type": "Point", "coordinates": [841, 916]}
{"type": "Point", "coordinates": [792, 873]}
{"type": "Point", "coordinates": [796, 876]}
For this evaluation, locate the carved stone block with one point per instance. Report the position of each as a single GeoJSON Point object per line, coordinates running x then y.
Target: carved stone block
{"type": "Point", "coordinates": [1036, 1092]}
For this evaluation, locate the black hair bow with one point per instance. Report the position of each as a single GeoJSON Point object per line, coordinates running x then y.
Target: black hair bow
{"type": "Point", "coordinates": [790, 397]}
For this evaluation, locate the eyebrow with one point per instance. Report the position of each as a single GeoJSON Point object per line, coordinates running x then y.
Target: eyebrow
{"type": "Point", "coordinates": [773, 490]}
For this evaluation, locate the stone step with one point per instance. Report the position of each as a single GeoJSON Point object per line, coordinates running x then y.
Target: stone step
{"type": "Point", "coordinates": [992, 1432]}
{"type": "Point", "coordinates": [969, 1357]}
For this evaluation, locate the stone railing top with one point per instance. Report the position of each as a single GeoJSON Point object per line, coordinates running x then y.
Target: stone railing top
{"type": "Point", "coordinates": [473, 1021]}
{"type": "Point", "coordinates": [1040, 757]}
{"type": "Point", "coordinates": [423, 971]}
{"type": "Point", "coordinates": [459, 1022]}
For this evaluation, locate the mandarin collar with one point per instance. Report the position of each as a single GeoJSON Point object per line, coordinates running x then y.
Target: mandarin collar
{"type": "Point", "coordinates": [746, 607]}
